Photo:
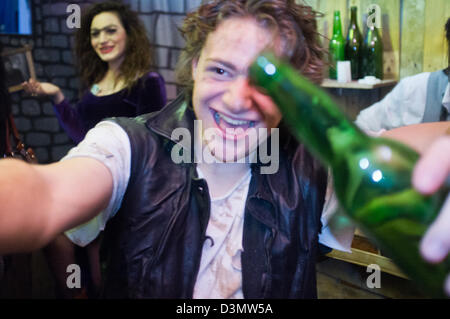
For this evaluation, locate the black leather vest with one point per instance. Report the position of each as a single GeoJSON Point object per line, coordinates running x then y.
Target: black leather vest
{"type": "Point", "coordinates": [154, 243]}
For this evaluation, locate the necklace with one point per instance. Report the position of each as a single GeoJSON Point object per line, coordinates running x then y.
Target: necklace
{"type": "Point", "coordinates": [95, 89]}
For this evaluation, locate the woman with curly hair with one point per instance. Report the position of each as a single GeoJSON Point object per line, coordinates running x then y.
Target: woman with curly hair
{"type": "Point", "coordinates": [113, 56]}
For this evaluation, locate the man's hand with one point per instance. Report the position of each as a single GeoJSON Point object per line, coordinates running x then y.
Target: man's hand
{"type": "Point", "coordinates": [430, 173]}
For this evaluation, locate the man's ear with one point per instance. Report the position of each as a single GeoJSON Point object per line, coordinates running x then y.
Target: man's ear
{"type": "Point", "coordinates": [194, 67]}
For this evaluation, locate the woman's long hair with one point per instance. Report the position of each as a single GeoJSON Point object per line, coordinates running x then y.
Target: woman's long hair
{"type": "Point", "coordinates": [138, 54]}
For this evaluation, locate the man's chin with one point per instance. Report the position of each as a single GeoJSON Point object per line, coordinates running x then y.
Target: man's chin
{"type": "Point", "coordinates": [238, 156]}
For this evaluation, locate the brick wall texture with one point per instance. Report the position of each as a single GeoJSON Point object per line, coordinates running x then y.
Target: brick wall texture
{"type": "Point", "coordinates": [52, 43]}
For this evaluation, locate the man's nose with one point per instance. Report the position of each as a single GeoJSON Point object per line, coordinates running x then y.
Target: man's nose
{"type": "Point", "coordinates": [238, 95]}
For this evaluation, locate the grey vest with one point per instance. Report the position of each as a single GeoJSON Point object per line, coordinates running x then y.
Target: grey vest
{"type": "Point", "coordinates": [434, 110]}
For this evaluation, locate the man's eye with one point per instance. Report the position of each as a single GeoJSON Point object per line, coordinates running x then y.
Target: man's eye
{"type": "Point", "coordinates": [219, 71]}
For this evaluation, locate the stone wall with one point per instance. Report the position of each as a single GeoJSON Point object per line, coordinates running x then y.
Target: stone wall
{"type": "Point", "coordinates": [52, 43]}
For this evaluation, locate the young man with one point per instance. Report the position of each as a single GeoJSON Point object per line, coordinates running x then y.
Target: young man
{"type": "Point", "coordinates": [212, 225]}
{"type": "Point", "coordinates": [420, 98]}
{"type": "Point", "coordinates": [200, 228]}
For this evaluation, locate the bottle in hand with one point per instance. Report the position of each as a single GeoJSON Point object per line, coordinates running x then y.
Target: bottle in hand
{"type": "Point", "coordinates": [372, 176]}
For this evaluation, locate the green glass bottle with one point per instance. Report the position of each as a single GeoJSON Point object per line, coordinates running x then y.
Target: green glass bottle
{"type": "Point", "coordinates": [337, 45]}
{"type": "Point", "coordinates": [372, 176]}
{"type": "Point", "coordinates": [353, 45]}
{"type": "Point", "coordinates": [372, 54]}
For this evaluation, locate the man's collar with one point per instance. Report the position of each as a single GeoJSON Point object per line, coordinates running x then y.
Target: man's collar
{"type": "Point", "coordinates": [176, 115]}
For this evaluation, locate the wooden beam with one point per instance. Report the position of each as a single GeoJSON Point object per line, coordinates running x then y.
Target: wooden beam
{"type": "Point", "coordinates": [412, 37]}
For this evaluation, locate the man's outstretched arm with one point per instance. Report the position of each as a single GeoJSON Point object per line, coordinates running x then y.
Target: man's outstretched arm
{"type": "Point", "coordinates": [37, 202]}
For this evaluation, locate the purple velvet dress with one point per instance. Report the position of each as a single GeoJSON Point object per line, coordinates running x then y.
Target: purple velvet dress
{"type": "Point", "coordinates": [148, 95]}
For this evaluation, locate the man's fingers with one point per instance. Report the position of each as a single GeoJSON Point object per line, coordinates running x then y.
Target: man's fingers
{"type": "Point", "coordinates": [433, 167]}
{"type": "Point", "coordinates": [435, 245]}
{"type": "Point", "coordinates": [447, 286]}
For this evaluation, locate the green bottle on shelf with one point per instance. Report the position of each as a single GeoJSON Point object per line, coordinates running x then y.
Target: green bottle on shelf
{"type": "Point", "coordinates": [372, 176]}
{"type": "Point", "coordinates": [337, 45]}
{"type": "Point", "coordinates": [372, 54]}
{"type": "Point", "coordinates": [353, 45]}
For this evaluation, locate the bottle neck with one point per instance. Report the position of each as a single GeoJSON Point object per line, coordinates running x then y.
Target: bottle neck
{"type": "Point", "coordinates": [353, 18]}
{"type": "Point", "coordinates": [314, 117]}
{"type": "Point", "coordinates": [372, 37]}
{"type": "Point", "coordinates": [337, 30]}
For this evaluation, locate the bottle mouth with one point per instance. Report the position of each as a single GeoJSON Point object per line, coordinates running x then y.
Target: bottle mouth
{"type": "Point", "coordinates": [263, 70]}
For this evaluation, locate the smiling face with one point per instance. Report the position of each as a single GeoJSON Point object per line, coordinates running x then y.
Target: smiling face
{"type": "Point", "coordinates": [222, 98]}
{"type": "Point", "coordinates": [108, 37]}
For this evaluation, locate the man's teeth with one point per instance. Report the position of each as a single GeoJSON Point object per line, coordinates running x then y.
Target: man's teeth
{"type": "Point", "coordinates": [231, 121]}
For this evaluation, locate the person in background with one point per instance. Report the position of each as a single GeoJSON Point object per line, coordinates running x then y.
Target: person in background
{"type": "Point", "coordinates": [113, 56]}
{"type": "Point", "coordinates": [421, 98]}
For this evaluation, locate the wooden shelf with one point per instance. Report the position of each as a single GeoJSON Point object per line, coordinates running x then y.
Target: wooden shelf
{"type": "Point", "coordinates": [328, 83]}
{"type": "Point", "coordinates": [364, 254]}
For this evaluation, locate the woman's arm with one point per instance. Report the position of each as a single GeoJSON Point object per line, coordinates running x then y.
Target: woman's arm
{"type": "Point", "coordinates": [153, 94]}
{"type": "Point", "coordinates": [67, 115]}
{"type": "Point", "coordinates": [41, 201]}
{"type": "Point", "coordinates": [70, 120]}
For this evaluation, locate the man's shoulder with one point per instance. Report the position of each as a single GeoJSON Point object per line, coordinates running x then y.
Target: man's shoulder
{"type": "Point", "coordinates": [419, 79]}
{"type": "Point", "coordinates": [136, 128]}
{"type": "Point", "coordinates": [137, 122]}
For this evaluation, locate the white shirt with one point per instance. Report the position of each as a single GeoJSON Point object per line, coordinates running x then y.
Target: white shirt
{"type": "Point", "coordinates": [220, 274]}
{"type": "Point", "coordinates": [404, 105]}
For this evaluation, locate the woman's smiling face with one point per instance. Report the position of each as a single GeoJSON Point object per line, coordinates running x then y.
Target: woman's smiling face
{"type": "Point", "coordinates": [223, 98]}
{"type": "Point", "coordinates": [108, 37]}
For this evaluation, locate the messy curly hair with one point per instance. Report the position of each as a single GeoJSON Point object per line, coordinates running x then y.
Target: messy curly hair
{"type": "Point", "coordinates": [294, 23]}
{"type": "Point", "coordinates": [138, 54]}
